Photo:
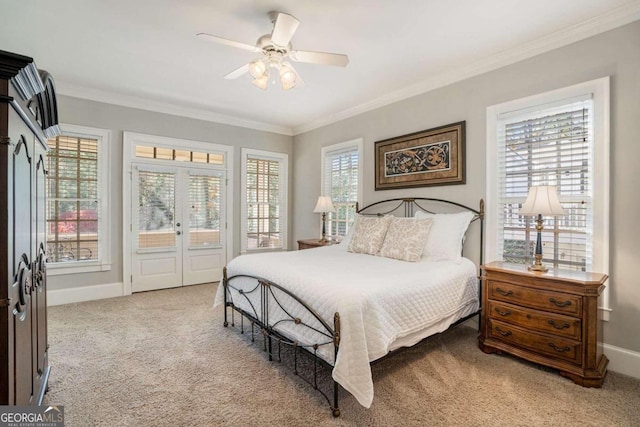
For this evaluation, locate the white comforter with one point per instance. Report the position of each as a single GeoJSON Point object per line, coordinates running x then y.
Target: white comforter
{"type": "Point", "coordinates": [380, 300]}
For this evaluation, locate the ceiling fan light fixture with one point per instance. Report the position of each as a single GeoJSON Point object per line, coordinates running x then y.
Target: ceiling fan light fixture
{"type": "Point", "coordinates": [257, 68]}
{"type": "Point", "coordinates": [276, 48]}
{"type": "Point", "coordinates": [261, 82]}
{"type": "Point", "coordinates": [287, 74]}
{"type": "Point", "coordinates": [287, 85]}
{"type": "Point", "coordinates": [287, 77]}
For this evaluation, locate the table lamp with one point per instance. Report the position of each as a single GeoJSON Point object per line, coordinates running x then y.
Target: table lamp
{"type": "Point", "coordinates": [541, 200]}
{"type": "Point", "coordinates": [323, 206]}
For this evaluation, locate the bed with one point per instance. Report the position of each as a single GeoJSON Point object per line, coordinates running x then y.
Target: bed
{"type": "Point", "coordinates": [349, 309]}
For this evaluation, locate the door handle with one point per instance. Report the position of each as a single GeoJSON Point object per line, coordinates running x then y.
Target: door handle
{"type": "Point", "coordinates": [178, 225]}
{"type": "Point", "coordinates": [178, 232]}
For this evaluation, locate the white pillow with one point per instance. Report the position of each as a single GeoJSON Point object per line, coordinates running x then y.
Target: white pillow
{"type": "Point", "coordinates": [444, 241]}
{"type": "Point", "coordinates": [346, 240]}
{"type": "Point", "coordinates": [406, 239]}
{"type": "Point", "coordinates": [369, 234]}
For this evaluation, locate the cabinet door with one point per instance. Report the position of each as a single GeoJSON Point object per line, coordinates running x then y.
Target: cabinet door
{"type": "Point", "coordinates": [21, 190]}
{"type": "Point", "coordinates": [39, 271]}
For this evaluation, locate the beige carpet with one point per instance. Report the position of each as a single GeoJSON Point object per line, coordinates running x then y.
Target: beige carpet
{"type": "Point", "coordinates": [163, 358]}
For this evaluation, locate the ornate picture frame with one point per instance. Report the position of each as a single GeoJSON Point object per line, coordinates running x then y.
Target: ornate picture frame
{"type": "Point", "coordinates": [429, 157]}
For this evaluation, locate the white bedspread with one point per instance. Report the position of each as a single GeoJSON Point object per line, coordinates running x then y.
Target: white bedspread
{"type": "Point", "coordinates": [379, 300]}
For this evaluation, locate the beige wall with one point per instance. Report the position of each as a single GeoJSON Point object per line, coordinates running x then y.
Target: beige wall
{"type": "Point", "coordinates": [118, 119]}
{"type": "Point", "coordinates": [615, 53]}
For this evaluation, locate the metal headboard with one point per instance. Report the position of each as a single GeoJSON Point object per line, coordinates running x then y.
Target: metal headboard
{"type": "Point", "coordinates": [408, 206]}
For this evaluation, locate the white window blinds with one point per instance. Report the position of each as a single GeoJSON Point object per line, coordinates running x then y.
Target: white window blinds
{"type": "Point", "coordinates": [263, 204]}
{"type": "Point", "coordinates": [72, 189]}
{"type": "Point", "coordinates": [156, 210]}
{"type": "Point", "coordinates": [340, 182]}
{"type": "Point", "coordinates": [204, 210]}
{"type": "Point", "coordinates": [547, 145]}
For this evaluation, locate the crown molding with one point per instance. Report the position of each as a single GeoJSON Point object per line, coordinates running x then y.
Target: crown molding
{"type": "Point", "coordinates": [618, 17]}
{"type": "Point", "coordinates": [83, 92]}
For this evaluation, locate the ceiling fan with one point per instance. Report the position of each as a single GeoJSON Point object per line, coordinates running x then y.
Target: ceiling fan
{"type": "Point", "coordinates": [276, 48]}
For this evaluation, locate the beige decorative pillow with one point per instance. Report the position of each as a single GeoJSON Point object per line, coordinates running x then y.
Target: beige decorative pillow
{"type": "Point", "coordinates": [368, 234]}
{"type": "Point", "coordinates": [406, 239]}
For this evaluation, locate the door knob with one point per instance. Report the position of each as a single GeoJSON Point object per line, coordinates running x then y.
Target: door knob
{"type": "Point", "coordinates": [178, 233]}
{"type": "Point", "coordinates": [178, 225]}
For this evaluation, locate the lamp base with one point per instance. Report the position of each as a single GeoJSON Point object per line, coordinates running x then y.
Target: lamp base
{"type": "Point", "coordinates": [541, 268]}
{"type": "Point", "coordinates": [537, 265]}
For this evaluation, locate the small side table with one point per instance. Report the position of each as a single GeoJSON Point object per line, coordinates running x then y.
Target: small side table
{"type": "Point", "coordinates": [547, 318]}
{"type": "Point", "coordinates": [314, 243]}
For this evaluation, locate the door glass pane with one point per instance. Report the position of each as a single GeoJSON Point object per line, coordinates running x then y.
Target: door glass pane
{"type": "Point", "coordinates": [156, 209]}
{"type": "Point", "coordinates": [216, 159]}
{"type": "Point", "coordinates": [164, 153]}
{"type": "Point", "coordinates": [144, 151]}
{"type": "Point", "coordinates": [199, 157]}
{"type": "Point", "coordinates": [183, 155]}
{"type": "Point", "coordinates": [204, 213]}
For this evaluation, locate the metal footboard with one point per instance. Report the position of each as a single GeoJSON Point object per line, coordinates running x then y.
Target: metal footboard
{"type": "Point", "coordinates": [278, 314]}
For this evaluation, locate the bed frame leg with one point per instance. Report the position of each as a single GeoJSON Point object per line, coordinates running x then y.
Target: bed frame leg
{"type": "Point", "coordinates": [335, 411]}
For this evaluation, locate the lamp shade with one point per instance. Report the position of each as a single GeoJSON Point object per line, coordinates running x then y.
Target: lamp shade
{"type": "Point", "coordinates": [261, 82]}
{"type": "Point", "coordinates": [542, 200]}
{"type": "Point", "coordinates": [257, 68]}
{"type": "Point", "coordinates": [324, 205]}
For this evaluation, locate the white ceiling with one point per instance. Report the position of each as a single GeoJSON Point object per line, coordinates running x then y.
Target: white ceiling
{"type": "Point", "coordinates": [144, 53]}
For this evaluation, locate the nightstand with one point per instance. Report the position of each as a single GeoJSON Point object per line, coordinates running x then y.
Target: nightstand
{"type": "Point", "coordinates": [548, 318]}
{"type": "Point", "coordinates": [314, 243]}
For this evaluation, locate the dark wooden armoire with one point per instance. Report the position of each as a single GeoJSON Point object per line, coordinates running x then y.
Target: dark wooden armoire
{"type": "Point", "coordinates": [28, 117]}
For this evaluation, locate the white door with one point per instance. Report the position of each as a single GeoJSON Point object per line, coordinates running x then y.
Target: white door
{"type": "Point", "coordinates": [177, 226]}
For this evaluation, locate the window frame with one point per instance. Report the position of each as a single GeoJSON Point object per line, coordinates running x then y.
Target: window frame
{"type": "Point", "coordinates": [103, 263]}
{"type": "Point", "coordinates": [329, 150]}
{"type": "Point", "coordinates": [283, 159]}
{"type": "Point", "coordinates": [599, 90]}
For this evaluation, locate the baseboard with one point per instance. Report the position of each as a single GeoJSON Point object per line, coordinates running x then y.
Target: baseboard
{"type": "Point", "coordinates": [623, 361]}
{"type": "Point", "coordinates": [84, 293]}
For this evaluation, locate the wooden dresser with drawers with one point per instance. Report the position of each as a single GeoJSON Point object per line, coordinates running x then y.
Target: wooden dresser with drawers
{"type": "Point", "coordinates": [548, 318]}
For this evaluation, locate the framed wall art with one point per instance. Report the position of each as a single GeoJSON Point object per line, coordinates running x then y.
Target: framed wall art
{"type": "Point", "coordinates": [430, 157]}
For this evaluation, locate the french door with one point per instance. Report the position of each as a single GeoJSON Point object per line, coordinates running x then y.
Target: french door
{"type": "Point", "coordinates": [178, 226]}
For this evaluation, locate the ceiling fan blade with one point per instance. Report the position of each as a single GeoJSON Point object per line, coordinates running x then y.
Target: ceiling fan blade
{"type": "Point", "coordinates": [324, 58]}
{"type": "Point", "coordinates": [228, 42]}
{"type": "Point", "coordinates": [283, 29]}
{"type": "Point", "coordinates": [237, 73]}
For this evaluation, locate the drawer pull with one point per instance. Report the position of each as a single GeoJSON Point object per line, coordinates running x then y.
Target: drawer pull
{"type": "Point", "coordinates": [503, 333]}
{"type": "Point", "coordinates": [555, 325]}
{"type": "Point", "coordinates": [504, 293]}
{"type": "Point", "coordinates": [503, 313]}
{"type": "Point", "coordinates": [559, 303]}
{"type": "Point", "coordinates": [559, 349]}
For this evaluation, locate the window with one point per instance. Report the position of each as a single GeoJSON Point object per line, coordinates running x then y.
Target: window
{"type": "Point", "coordinates": [264, 199]}
{"type": "Point", "coordinates": [558, 138]}
{"type": "Point", "coordinates": [77, 201]}
{"type": "Point", "coordinates": [341, 179]}
{"type": "Point", "coordinates": [162, 153]}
